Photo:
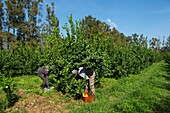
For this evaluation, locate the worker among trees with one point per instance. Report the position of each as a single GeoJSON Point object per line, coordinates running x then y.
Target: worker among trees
{"type": "Point", "coordinates": [87, 74]}
{"type": "Point", "coordinates": [43, 73]}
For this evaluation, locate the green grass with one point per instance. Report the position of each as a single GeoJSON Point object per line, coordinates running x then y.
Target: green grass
{"type": "Point", "coordinates": [147, 92]}
{"type": "Point", "coordinates": [137, 93]}
{"type": "Point", "coordinates": [29, 84]}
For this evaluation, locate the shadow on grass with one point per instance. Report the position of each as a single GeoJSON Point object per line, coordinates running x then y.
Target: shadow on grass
{"type": "Point", "coordinates": [8, 102]}
{"type": "Point", "coordinates": [77, 97]}
{"type": "Point", "coordinates": [13, 99]}
{"type": "Point", "coordinates": [164, 105]}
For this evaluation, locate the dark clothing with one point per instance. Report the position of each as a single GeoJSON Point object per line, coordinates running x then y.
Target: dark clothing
{"type": "Point", "coordinates": [42, 71]}
{"type": "Point", "coordinates": [43, 74]}
{"type": "Point", "coordinates": [88, 72]}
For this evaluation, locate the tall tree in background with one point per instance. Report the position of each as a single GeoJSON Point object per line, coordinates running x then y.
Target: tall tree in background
{"type": "Point", "coordinates": [10, 21]}
{"type": "Point", "coordinates": [20, 15]}
{"type": "Point", "coordinates": [139, 40]}
{"type": "Point", "coordinates": [34, 11]}
{"type": "Point", "coordinates": [23, 20]}
{"type": "Point", "coordinates": [167, 44]}
{"type": "Point", "coordinates": [1, 24]}
{"type": "Point", "coordinates": [155, 43]}
{"type": "Point", "coordinates": [94, 27]}
{"type": "Point", "coordinates": [51, 18]}
{"type": "Point", "coordinates": [143, 41]}
{"type": "Point", "coordinates": [135, 38]}
{"type": "Point", "coordinates": [114, 33]}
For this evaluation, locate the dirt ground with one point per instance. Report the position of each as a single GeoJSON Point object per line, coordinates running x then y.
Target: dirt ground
{"type": "Point", "coordinates": [32, 103]}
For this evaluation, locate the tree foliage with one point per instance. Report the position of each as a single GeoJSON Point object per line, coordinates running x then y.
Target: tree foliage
{"type": "Point", "coordinates": [1, 23]}
{"type": "Point", "coordinates": [104, 55]}
{"type": "Point", "coordinates": [87, 42]}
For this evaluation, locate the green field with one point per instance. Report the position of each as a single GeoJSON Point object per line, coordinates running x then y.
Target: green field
{"type": "Point", "coordinates": [132, 72]}
{"type": "Point", "coordinates": [147, 92]}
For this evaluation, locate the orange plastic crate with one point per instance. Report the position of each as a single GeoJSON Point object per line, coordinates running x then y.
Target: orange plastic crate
{"type": "Point", "coordinates": [87, 99]}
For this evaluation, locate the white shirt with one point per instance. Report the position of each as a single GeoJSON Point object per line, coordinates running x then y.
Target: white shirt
{"type": "Point", "coordinates": [82, 74]}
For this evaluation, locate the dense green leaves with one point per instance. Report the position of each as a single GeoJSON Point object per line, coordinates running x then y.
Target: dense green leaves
{"type": "Point", "coordinates": [7, 92]}
{"type": "Point", "coordinates": [104, 55]}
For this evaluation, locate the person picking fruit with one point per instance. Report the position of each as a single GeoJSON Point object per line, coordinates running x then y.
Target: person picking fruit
{"type": "Point", "coordinates": [43, 73]}
{"type": "Point", "coordinates": [87, 74]}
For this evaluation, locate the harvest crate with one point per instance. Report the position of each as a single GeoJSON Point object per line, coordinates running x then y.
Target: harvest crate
{"type": "Point", "coordinates": [87, 99]}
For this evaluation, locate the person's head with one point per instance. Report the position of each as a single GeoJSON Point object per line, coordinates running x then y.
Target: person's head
{"type": "Point", "coordinates": [75, 71]}
{"type": "Point", "coordinates": [47, 68]}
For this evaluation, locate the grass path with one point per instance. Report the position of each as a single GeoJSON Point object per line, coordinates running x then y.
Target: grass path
{"type": "Point", "coordinates": [147, 92]}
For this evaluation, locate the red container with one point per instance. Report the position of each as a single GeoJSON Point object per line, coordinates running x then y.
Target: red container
{"type": "Point", "coordinates": [87, 99]}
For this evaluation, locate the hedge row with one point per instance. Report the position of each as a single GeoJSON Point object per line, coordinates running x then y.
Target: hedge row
{"type": "Point", "coordinates": [104, 55]}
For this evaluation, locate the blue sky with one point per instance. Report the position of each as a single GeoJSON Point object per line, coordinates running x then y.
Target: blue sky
{"type": "Point", "coordinates": [148, 17]}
